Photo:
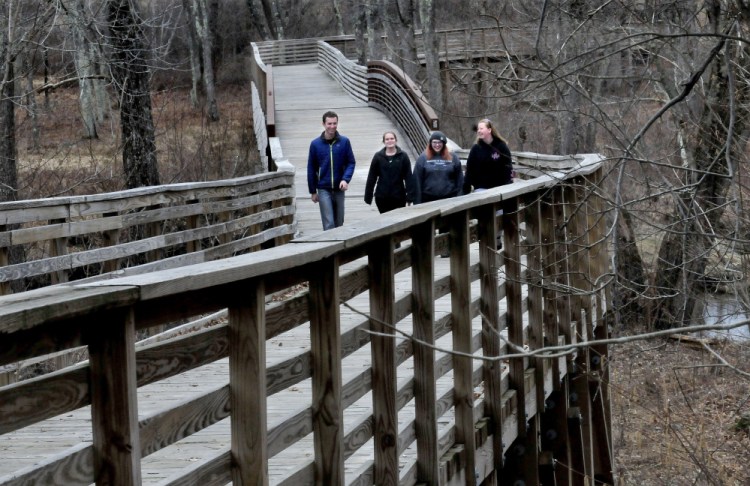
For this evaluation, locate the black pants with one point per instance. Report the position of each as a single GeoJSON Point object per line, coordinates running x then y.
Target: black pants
{"type": "Point", "coordinates": [386, 204]}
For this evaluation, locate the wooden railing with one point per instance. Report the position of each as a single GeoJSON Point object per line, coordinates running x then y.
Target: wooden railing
{"type": "Point", "coordinates": [142, 230]}
{"type": "Point", "coordinates": [548, 287]}
{"type": "Point", "coordinates": [394, 93]}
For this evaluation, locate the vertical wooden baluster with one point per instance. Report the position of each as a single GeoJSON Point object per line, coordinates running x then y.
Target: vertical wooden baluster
{"type": "Point", "coordinates": [114, 401]}
{"type": "Point", "coordinates": [581, 309]}
{"type": "Point", "coordinates": [325, 336]}
{"type": "Point", "coordinates": [462, 336]}
{"type": "Point", "coordinates": [382, 294]}
{"type": "Point", "coordinates": [599, 359]}
{"type": "Point", "coordinates": [514, 300]}
{"type": "Point", "coordinates": [247, 385]}
{"type": "Point", "coordinates": [491, 327]}
{"type": "Point", "coordinates": [423, 316]}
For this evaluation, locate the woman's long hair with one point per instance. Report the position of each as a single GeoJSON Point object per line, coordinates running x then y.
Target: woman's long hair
{"type": "Point", "coordinates": [493, 130]}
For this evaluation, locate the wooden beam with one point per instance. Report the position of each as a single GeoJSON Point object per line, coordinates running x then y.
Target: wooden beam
{"type": "Point", "coordinates": [384, 379]}
{"type": "Point", "coordinates": [423, 317]}
{"type": "Point", "coordinates": [491, 327]}
{"type": "Point", "coordinates": [462, 337]}
{"type": "Point", "coordinates": [114, 401]}
{"type": "Point", "coordinates": [325, 335]}
{"type": "Point", "coordinates": [247, 385]}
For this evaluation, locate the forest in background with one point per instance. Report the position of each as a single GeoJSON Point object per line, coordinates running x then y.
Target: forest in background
{"type": "Point", "coordinates": [94, 91]}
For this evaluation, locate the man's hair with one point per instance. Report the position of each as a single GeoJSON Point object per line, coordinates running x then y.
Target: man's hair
{"type": "Point", "coordinates": [329, 114]}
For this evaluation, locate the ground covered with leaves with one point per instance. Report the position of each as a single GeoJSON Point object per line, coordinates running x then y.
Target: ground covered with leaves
{"type": "Point", "coordinates": [680, 413]}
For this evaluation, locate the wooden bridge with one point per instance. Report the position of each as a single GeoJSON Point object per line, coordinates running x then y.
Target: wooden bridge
{"type": "Point", "coordinates": [339, 357]}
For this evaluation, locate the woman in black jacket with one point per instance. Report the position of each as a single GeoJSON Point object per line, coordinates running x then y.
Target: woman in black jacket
{"type": "Point", "coordinates": [389, 177]}
{"type": "Point", "coordinates": [489, 163]}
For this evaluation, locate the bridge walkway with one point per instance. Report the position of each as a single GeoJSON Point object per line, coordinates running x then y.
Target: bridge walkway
{"type": "Point", "coordinates": [303, 93]}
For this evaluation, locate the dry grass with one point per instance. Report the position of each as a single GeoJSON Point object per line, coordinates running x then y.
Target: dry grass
{"type": "Point", "coordinates": [679, 417]}
{"type": "Point", "coordinates": [60, 161]}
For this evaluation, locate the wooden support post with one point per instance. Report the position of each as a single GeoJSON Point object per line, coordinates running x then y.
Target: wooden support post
{"type": "Point", "coordinates": [111, 238]}
{"type": "Point", "coordinates": [58, 247]}
{"type": "Point", "coordinates": [4, 260]}
{"type": "Point", "coordinates": [462, 366]}
{"type": "Point", "coordinates": [599, 354]}
{"type": "Point", "coordinates": [325, 333]}
{"type": "Point", "coordinates": [532, 217]}
{"type": "Point", "coordinates": [514, 302]}
{"type": "Point", "coordinates": [423, 316]}
{"type": "Point", "coordinates": [575, 433]}
{"type": "Point", "coordinates": [560, 266]}
{"type": "Point", "coordinates": [601, 413]}
{"type": "Point", "coordinates": [114, 402]}
{"type": "Point", "coordinates": [555, 438]}
{"type": "Point", "coordinates": [581, 305]}
{"type": "Point", "coordinates": [193, 222]}
{"type": "Point", "coordinates": [491, 327]}
{"type": "Point", "coordinates": [247, 385]}
{"type": "Point", "coordinates": [550, 313]}
{"type": "Point", "coordinates": [384, 379]}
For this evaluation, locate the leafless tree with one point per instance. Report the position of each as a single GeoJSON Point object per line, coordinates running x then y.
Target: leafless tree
{"type": "Point", "coordinates": [431, 53]}
{"type": "Point", "coordinates": [19, 29]}
{"type": "Point", "coordinates": [8, 151]}
{"type": "Point", "coordinates": [398, 21]}
{"type": "Point", "coordinates": [130, 74]}
{"type": "Point", "coordinates": [88, 60]}
{"type": "Point", "coordinates": [202, 38]}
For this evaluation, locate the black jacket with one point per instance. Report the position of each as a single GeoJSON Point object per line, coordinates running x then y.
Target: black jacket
{"type": "Point", "coordinates": [488, 165]}
{"type": "Point", "coordinates": [389, 177]}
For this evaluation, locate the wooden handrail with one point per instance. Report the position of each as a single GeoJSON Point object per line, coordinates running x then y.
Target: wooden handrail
{"type": "Point", "coordinates": [393, 92]}
{"type": "Point", "coordinates": [188, 222]}
{"type": "Point", "coordinates": [335, 267]}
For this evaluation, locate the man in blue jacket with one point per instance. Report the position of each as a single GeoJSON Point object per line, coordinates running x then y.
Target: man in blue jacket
{"type": "Point", "coordinates": [330, 166]}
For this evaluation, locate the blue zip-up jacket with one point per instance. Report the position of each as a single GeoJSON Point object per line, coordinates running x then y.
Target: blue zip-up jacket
{"type": "Point", "coordinates": [329, 162]}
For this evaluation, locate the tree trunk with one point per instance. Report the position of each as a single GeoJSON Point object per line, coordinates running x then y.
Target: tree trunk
{"type": "Point", "coordinates": [31, 102]}
{"type": "Point", "coordinates": [195, 59]}
{"type": "Point", "coordinates": [199, 12]}
{"type": "Point", "coordinates": [373, 13]}
{"type": "Point", "coordinates": [8, 150]}
{"type": "Point", "coordinates": [338, 17]}
{"type": "Point", "coordinates": [360, 27]}
{"type": "Point", "coordinates": [257, 19]}
{"type": "Point", "coordinates": [399, 28]}
{"type": "Point", "coordinates": [86, 60]}
{"type": "Point", "coordinates": [273, 18]}
{"type": "Point", "coordinates": [431, 54]}
{"type": "Point", "coordinates": [131, 77]}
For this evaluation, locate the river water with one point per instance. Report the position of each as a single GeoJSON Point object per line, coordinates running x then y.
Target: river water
{"type": "Point", "coordinates": [725, 309]}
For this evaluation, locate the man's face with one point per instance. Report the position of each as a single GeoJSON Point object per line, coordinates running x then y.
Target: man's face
{"type": "Point", "coordinates": [330, 125]}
